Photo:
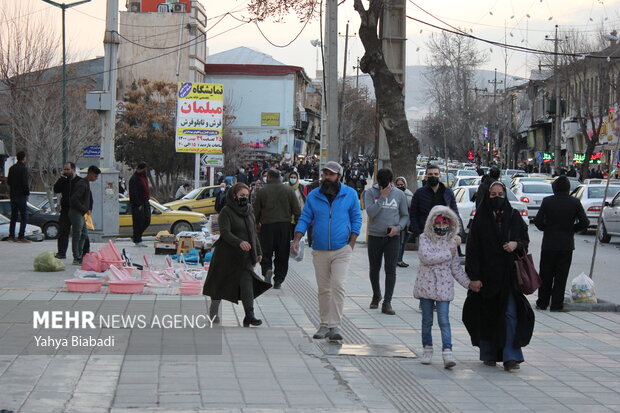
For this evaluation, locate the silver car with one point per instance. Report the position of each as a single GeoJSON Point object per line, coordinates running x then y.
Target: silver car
{"type": "Point", "coordinates": [591, 198]}
{"type": "Point", "coordinates": [32, 233]}
{"type": "Point", "coordinates": [532, 194]}
{"type": "Point", "coordinates": [610, 224]}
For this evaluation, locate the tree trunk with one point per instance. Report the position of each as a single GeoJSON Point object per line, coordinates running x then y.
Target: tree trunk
{"type": "Point", "coordinates": [404, 147]}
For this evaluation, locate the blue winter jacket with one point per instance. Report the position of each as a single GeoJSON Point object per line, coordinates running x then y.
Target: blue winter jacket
{"type": "Point", "coordinates": [333, 224]}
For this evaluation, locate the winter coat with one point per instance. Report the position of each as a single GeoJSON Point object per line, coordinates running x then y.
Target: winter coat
{"type": "Point", "coordinates": [333, 223]}
{"type": "Point", "coordinates": [229, 261]}
{"type": "Point", "coordinates": [486, 261]}
{"type": "Point", "coordinates": [408, 193]}
{"type": "Point", "coordinates": [276, 203]}
{"type": "Point", "coordinates": [438, 268]}
{"type": "Point", "coordinates": [81, 198]}
{"type": "Point", "coordinates": [18, 180]}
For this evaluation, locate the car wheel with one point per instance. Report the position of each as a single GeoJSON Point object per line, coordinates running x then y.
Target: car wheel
{"type": "Point", "coordinates": [184, 208]}
{"type": "Point", "coordinates": [51, 230]}
{"type": "Point", "coordinates": [181, 226]}
{"type": "Point", "coordinates": [603, 236]}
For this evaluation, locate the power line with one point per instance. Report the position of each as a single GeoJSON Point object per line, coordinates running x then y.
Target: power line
{"type": "Point", "coordinates": [517, 48]}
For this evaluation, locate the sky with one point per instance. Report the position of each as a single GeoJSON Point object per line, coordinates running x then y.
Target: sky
{"type": "Point", "coordinates": [499, 20]}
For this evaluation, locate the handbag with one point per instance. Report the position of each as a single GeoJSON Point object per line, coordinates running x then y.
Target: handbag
{"type": "Point", "coordinates": [527, 276]}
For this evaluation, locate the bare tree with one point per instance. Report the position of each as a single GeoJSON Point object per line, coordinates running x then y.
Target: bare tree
{"type": "Point", "coordinates": [358, 122]}
{"type": "Point", "coordinates": [388, 91]}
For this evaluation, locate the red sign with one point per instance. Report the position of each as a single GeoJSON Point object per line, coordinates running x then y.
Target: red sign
{"type": "Point", "coordinates": [470, 155]}
{"type": "Point", "coordinates": [150, 6]}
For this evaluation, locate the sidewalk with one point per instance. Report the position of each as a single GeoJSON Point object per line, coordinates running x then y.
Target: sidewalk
{"type": "Point", "coordinates": [572, 364]}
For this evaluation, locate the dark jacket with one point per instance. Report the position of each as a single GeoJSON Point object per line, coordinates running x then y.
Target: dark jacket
{"type": "Point", "coordinates": [18, 180]}
{"type": "Point", "coordinates": [65, 187]}
{"type": "Point", "coordinates": [276, 202]}
{"type": "Point", "coordinates": [486, 261]}
{"type": "Point", "coordinates": [81, 199]}
{"type": "Point", "coordinates": [220, 200]}
{"type": "Point", "coordinates": [422, 203]}
{"type": "Point", "coordinates": [137, 191]}
{"type": "Point", "coordinates": [556, 218]}
{"type": "Point", "coordinates": [230, 261]}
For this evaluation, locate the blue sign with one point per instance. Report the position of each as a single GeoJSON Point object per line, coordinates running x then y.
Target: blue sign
{"type": "Point", "coordinates": [93, 151]}
{"type": "Point", "coordinates": [539, 157]}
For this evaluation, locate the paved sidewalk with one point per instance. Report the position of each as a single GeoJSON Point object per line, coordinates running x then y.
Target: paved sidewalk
{"type": "Point", "coordinates": [572, 364]}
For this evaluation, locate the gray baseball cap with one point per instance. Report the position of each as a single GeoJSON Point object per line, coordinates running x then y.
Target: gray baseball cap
{"type": "Point", "coordinates": [333, 167]}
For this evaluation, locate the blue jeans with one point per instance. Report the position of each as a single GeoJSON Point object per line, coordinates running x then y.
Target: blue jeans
{"type": "Point", "coordinates": [488, 349]}
{"type": "Point", "coordinates": [443, 319]}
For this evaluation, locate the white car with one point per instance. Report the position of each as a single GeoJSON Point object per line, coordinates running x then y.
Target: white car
{"type": "Point", "coordinates": [465, 202]}
{"type": "Point", "coordinates": [32, 233]}
{"type": "Point", "coordinates": [464, 181]}
{"type": "Point", "coordinates": [610, 222]}
{"type": "Point", "coordinates": [591, 197]}
{"type": "Point", "coordinates": [466, 172]}
{"type": "Point", "coordinates": [512, 172]}
{"type": "Point", "coordinates": [532, 194]}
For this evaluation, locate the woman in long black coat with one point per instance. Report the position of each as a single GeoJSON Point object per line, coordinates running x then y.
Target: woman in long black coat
{"type": "Point", "coordinates": [499, 318]}
{"type": "Point", "coordinates": [231, 274]}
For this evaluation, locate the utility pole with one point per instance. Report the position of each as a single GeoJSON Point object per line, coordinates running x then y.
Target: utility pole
{"type": "Point", "coordinates": [329, 131]}
{"type": "Point", "coordinates": [105, 189]}
{"type": "Point", "coordinates": [357, 74]}
{"type": "Point", "coordinates": [489, 146]}
{"type": "Point", "coordinates": [65, 130]}
{"type": "Point", "coordinates": [344, 81]}
{"type": "Point", "coordinates": [556, 91]}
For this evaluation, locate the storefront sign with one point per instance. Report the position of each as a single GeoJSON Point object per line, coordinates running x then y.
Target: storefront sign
{"type": "Point", "coordinates": [578, 158]}
{"type": "Point", "coordinates": [200, 109]}
{"type": "Point", "coordinates": [269, 119]}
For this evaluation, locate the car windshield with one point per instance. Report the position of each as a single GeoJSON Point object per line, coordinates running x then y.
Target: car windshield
{"type": "Point", "coordinates": [468, 173]}
{"type": "Point", "coordinates": [537, 189]}
{"type": "Point", "coordinates": [598, 192]}
{"type": "Point", "coordinates": [160, 206]}
{"type": "Point", "coordinates": [192, 194]}
{"type": "Point", "coordinates": [466, 181]}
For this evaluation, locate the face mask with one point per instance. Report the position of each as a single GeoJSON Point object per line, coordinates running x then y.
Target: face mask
{"type": "Point", "coordinates": [402, 188]}
{"type": "Point", "coordinates": [293, 181]}
{"type": "Point", "coordinates": [242, 202]}
{"type": "Point", "coordinates": [496, 203]}
{"type": "Point", "coordinates": [441, 231]}
{"type": "Point", "coordinates": [432, 181]}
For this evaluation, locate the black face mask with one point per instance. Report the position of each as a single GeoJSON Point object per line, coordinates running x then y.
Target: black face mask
{"type": "Point", "coordinates": [432, 181]}
{"type": "Point", "coordinates": [242, 202]}
{"type": "Point", "coordinates": [402, 188]}
{"type": "Point", "coordinates": [441, 231]}
{"type": "Point", "coordinates": [497, 203]}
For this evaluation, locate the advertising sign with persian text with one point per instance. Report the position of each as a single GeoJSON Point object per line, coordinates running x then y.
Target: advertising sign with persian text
{"type": "Point", "coordinates": [200, 120]}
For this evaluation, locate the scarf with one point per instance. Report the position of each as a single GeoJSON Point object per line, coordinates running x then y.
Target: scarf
{"type": "Point", "coordinates": [247, 214]}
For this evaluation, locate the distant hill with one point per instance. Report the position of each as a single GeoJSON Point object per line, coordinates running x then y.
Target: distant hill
{"type": "Point", "coordinates": [417, 101]}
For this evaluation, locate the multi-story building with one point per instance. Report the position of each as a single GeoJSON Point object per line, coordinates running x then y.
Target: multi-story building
{"type": "Point", "coordinates": [162, 40]}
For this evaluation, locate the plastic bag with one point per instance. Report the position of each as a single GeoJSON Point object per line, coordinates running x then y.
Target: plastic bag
{"type": "Point", "coordinates": [582, 289]}
{"type": "Point", "coordinates": [300, 254]}
{"type": "Point", "coordinates": [46, 262]}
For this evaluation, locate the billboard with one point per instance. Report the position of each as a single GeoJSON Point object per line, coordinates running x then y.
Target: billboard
{"type": "Point", "coordinates": [200, 109]}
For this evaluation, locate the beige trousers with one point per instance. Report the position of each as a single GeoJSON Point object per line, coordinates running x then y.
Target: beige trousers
{"type": "Point", "coordinates": [330, 268]}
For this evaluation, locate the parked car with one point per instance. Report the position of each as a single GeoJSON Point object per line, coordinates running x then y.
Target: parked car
{"type": "Point", "coordinates": [532, 194]}
{"type": "Point", "coordinates": [200, 200]}
{"type": "Point", "coordinates": [162, 219]}
{"type": "Point", "coordinates": [591, 197]}
{"type": "Point", "coordinates": [33, 233]}
{"type": "Point", "coordinates": [610, 220]}
{"type": "Point", "coordinates": [466, 204]}
{"type": "Point", "coordinates": [48, 222]}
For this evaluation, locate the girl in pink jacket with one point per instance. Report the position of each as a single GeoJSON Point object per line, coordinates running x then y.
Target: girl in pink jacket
{"type": "Point", "coordinates": [434, 285]}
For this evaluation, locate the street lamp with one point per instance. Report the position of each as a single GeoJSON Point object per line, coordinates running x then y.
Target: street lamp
{"type": "Point", "coordinates": [64, 7]}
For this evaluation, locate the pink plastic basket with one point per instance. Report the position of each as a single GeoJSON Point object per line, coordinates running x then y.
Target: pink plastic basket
{"type": "Point", "coordinates": [126, 287]}
{"type": "Point", "coordinates": [81, 285]}
{"type": "Point", "coordinates": [193, 290]}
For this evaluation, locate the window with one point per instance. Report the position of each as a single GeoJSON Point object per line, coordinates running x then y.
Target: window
{"type": "Point", "coordinates": [599, 191]}
{"type": "Point", "coordinates": [124, 208]}
{"type": "Point", "coordinates": [537, 188]}
{"type": "Point", "coordinates": [616, 201]}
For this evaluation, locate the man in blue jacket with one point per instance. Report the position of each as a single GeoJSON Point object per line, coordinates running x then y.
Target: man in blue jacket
{"type": "Point", "coordinates": [335, 210]}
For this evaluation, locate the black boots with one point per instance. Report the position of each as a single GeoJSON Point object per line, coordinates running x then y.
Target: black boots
{"type": "Point", "coordinates": [250, 320]}
{"type": "Point", "coordinates": [386, 308]}
{"type": "Point", "coordinates": [375, 301]}
{"type": "Point", "coordinates": [213, 310]}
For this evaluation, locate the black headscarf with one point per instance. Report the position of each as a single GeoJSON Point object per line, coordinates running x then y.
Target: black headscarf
{"type": "Point", "coordinates": [247, 213]}
{"type": "Point", "coordinates": [486, 212]}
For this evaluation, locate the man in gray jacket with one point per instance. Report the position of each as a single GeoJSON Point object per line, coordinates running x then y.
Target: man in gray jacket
{"type": "Point", "coordinates": [388, 214]}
